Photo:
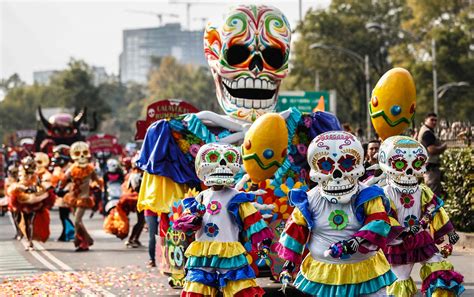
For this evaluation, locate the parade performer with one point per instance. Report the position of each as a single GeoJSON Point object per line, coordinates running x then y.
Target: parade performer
{"type": "Point", "coordinates": [248, 55]}
{"type": "Point", "coordinates": [117, 221]}
{"type": "Point", "coordinates": [12, 178]}
{"type": "Point", "coordinates": [32, 199]}
{"type": "Point", "coordinates": [83, 178]}
{"type": "Point", "coordinates": [42, 163]}
{"type": "Point", "coordinates": [343, 222]}
{"type": "Point", "coordinates": [216, 259]}
{"type": "Point", "coordinates": [60, 162]}
{"type": "Point", "coordinates": [425, 222]}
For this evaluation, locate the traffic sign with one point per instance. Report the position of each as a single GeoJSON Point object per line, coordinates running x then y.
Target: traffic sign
{"type": "Point", "coordinates": [304, 101]}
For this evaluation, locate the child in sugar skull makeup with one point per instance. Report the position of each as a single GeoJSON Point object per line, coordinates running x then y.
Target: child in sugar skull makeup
{"type": "Point", "coordinates": [342, 222]}
{"type": "Point", "coordinates": [423, 219]}
{"type": "Point", "coordinates": [216, 259]}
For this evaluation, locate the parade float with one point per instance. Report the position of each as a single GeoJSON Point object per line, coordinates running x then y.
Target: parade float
{"type": "Point", "coordinates": [248, 55]}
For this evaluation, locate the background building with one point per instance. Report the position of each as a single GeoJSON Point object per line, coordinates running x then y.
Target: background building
{"type": "Point", "coordinates": [99, 76]}
{"type": "Point", "coordinates": [139, 45]}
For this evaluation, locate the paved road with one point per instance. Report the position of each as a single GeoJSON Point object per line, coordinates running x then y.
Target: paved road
{"type": "Point", "coordinates": [111, 269]}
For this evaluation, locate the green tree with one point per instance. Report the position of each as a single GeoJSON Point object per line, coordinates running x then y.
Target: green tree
{"type": "Point", "coordinates": [169, 79]}
{"type": "Point", "coordinates": [344, 24]}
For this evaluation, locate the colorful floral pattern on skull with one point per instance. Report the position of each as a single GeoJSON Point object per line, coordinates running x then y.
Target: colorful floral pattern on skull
{"type": "Point", "coordinates": [403, 159]}
{"type": "Point", "coordinates": [248, 56]}
{"type": "Point", "coordinates": [336, 159]}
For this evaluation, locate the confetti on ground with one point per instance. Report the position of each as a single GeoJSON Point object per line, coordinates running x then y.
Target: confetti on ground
{"type": "Point", "coordinates": [129, 280]}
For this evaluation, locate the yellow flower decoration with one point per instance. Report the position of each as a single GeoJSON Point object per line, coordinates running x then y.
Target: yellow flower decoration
{"type": "Point", "coordinates": [183, 145]}
{"type": "Point", "coordinates": [191, 193]}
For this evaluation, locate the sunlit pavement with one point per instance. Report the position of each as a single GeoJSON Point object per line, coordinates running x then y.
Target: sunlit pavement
{"type": "Point", "coordinates": [111, 269]}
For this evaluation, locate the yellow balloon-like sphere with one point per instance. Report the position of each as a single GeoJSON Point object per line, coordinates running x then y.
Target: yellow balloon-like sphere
{"type": "Point", "coordinates": [265, 146]}
{"type": "Point", "coordinates": [393, 103]}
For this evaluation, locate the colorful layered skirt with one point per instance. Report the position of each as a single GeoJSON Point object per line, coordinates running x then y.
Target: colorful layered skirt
{"type": "Point", "coordinates": [223, 266]}
{"type": "Point", "coordinates": [318, 278]}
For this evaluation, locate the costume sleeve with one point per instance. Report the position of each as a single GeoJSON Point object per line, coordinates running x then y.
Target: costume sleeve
{"type": "Point", "coordinates": [396, 229]}
{"type": "Point", "coordinates": [440, 224]}
{"type": "Point", "coordinates": [297, 229]}
{"type": "Point", "coordinates": [186, 222]}
{"type": "Point", "coordinates": [376, 226]}
{"type": "Point", "coordinates": [253, 224]}
{"type": "Point", "coordinates": [160, 155]}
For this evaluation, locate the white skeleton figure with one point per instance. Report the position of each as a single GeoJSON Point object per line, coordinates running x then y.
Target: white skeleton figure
{"type": "Point", "coordinates": [403, 160]}
{"type": "Point", "coordinates": [80, 153]}
{"type": "Point", "coordinates": [248, 56]}
{"type": "Point", "coordinates": [217, 164]}
{"type": "Point", "coordinates": [336, 161]}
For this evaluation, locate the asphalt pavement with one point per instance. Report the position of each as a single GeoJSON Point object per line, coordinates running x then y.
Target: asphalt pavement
{"type": "Point", "coordinates": [112, 269]}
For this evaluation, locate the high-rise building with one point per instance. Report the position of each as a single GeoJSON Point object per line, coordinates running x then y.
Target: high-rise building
{"type": "Point", "coordinates": [140, 45]}
{"type": "Point", "coordinates": [43, 77]}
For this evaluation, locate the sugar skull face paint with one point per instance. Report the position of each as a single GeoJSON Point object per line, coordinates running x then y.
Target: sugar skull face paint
{"type": "Point", "coordinates": [336, 164]}
{"type": "Point", "coordinates": [403, 159]}
{"type": "Point", "coordinates": [217, 164]}
{"type": "Point", "coordinates": [248, 56]}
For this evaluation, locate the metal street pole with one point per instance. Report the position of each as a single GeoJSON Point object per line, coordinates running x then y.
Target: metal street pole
{"type": "Point", "coordinates": [435, 76]}
{"type": "Point", "coordinates": [367, 94]}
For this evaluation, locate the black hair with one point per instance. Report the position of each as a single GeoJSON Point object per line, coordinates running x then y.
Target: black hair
{"type": "Point", "coordinates": [431, 114]}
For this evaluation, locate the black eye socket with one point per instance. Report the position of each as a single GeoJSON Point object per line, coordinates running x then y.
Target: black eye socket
{"type": "Point", "coordinates": [237, 54]}
{"type": "Point", "coordinates": [273, 56]}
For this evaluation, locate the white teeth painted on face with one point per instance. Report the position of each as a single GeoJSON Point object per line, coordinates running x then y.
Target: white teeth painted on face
{"type": "Point", "coordinates": [258, 84]}
{"type": "Point", "coordinates": [249, 83]}
{"type": "Point", "coordinates": [248, 103]}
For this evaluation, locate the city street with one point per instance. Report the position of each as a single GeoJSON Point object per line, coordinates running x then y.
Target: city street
{"type": "Point", "coordinates": [109, 268]}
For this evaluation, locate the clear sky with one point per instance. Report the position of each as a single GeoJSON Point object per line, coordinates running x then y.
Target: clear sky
{"type": "Point", "coordinates": [43, 35]}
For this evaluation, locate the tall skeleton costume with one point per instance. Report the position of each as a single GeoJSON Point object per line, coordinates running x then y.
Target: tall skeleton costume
{"type": "Point", "coordinates": [423, 220]}
{"type": "Point", "coordinates": [343, 223]}
{"type": "Point", "coordinates": [83, 177]}
{"type": "Point", "coordinates": [220, 215]}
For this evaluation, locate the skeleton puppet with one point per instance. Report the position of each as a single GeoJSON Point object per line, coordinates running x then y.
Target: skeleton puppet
{"type": "Point", "coordinates": [343, 222]}
{"type": "Point", "coordinates": [216, 259]}
{"type": "Point", "coordinates": [423, 219]}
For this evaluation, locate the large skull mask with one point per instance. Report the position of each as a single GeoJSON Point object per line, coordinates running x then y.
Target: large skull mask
{"type": "Point", "coordinates": [336, 161]}
{"type": "Point", "coordinates": [217, 164]}
{"type": "Point", "coordinates": [42, 161]}
{"type": "Point", "coordinates": [403, 159]}
{"type": "Point", "coordinates": [248, 56]}
{"type": "Point", "coordinates": [80, 153]}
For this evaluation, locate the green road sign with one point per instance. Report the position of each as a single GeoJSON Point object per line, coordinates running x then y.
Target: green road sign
{"type": "Point", "coordinates": [304, 101]}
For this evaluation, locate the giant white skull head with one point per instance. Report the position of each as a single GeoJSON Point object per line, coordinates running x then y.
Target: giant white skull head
{"type": "Point", "coordinates": [80, 153]}
{"type": "Point", "coordinates": [248, 56]}
{"type": "Point", "coordinates": [336, 161]}
{"type": "Point", "coordinates": [217, 164]}
{"type": "Point", "coordinates": [403, 159]}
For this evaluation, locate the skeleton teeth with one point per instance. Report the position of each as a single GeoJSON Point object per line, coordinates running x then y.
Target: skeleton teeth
{"type": "Point", "coordinates": [249, 83]}
{"type": "Point", "coordinates": [258, 84]}
{"type": "Point", "coordinates": [248, 103]}
{"type": "Point", "coordinates": [240, 102]}
{"type": "Point", "coordinates": [241, 83]}
{"type": "Point", "coordinates": [264, 84]}
{"type": "Point", "coordinates": [256, 103]}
